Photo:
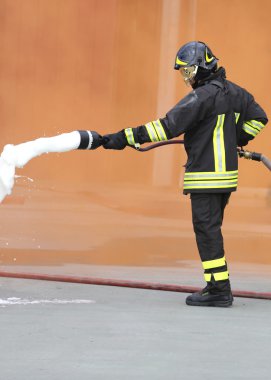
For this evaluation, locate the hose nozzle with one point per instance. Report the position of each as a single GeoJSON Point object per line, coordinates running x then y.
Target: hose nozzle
{"type": "Point", "coordinates": [250, 155]}
{"type": "Point", "coordinates": [255, 157]}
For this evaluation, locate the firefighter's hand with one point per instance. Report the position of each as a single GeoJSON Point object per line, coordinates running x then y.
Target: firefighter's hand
{"type": "Point", "coordinates": [242, 142]}
{"type": "Point", "coordinates": [114, 141]}
{"type": "Point", "coordinates": [97, 140]}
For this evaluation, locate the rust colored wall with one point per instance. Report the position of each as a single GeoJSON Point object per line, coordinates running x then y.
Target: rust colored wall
{"type": "Point", "coordinates": [74, 64]}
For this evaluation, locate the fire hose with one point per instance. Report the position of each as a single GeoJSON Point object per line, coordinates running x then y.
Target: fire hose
{"type": "Point", "coordinates": [254, 156]}
{"type": "Point", "coordinates": [126, 283]}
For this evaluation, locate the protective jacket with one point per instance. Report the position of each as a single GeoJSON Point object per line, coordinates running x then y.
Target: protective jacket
{"type": "Point", "coordinates": [215, 118]}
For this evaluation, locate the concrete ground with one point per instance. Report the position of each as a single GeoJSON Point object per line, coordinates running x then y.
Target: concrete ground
{"type": "Point", "coordinates": [52, 330]}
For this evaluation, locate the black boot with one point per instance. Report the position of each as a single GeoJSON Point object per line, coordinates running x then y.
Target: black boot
{"type": "Point", "coordinates": [218, 294]}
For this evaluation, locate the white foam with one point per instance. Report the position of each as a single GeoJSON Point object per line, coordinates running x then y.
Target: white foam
{"type": "Point", "coordinates": [24, 301]}
{"type": "Point", "coordinates": [16, 156]}
{"type": "Point", "coordinates": [7, 173]}
{"type": "Point", "coordinates": [25, 177]}
{"type": "Point", "coordinates": [19, 155]}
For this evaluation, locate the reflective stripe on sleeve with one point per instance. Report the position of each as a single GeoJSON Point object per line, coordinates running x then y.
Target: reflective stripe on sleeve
{"type": "Point", "coordinates": [130, 136]}
{"type": "Point", "coordinates": [159, 130]}
{"type": "Point", "coordinates": [156, 131]}
{"type": "Point", "coordinates": [151, 132]}
{"type": "Point", "coordinates": [253, 127]}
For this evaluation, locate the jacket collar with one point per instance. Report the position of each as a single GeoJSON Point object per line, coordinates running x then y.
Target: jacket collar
{"type": "Point", "coordinates": [219, 75]}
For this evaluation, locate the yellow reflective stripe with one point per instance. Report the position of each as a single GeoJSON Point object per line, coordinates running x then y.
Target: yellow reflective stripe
{"type": "Point", "coordinates": [253, 127]}
{"type": "Point", "coordinates": [205, 180]}
{"type": "Point", "coordinates": [179, 62]}
{"type": "Point", "coordinates": [220, 276]}
{"type": "Point", "coordinates": [214, 263]}
{"type": "Point", "coordinates": [207, 173]}
{"type": "Point", "coordinates": [151, 131]}
{"type": "Point", "coordinates": [237, 115]}
{"type": "Point", "coordinates": [211, 176]}
{"type": "Point", "coordinates": [256, 124]}
{"type": "Point", "coordinates": [256, 127]}
{"type": "Point", "coordinates": [129, 136]}
{"type": "Point", "coordinates": [250, 130]}
{"type": "Point", "coordinates": [210, 184]}
{"type": "Point", "coordinates": [218, 144]}
{"type": "Point", "coordinates": [213, 186]}
{"type": "Point", "coordinates": [207, 277]}
{"type": "Point", "coordinates": [208, 59]}
{"type": "Point", "coordinates": [159, 130]}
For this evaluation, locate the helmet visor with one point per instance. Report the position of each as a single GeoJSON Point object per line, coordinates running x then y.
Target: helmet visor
{"type": "Point", "coordinates": [188, 74]}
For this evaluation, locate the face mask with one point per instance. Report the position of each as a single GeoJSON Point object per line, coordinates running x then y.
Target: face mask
{"type": "Point", "coordinates": [188, 74]}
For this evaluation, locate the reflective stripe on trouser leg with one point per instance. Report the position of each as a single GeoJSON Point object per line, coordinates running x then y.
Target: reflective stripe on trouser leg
{"type": "Point", "coordinates": [220, 276]}
{"type": "Point", "coordinates": [208, 212]}
{"type": "Point", "coordinates": [214, 263]}
{"type": "Point", "coordinates": [216, 268]}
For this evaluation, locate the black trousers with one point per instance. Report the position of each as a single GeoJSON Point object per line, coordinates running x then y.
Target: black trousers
{"type": "Point", "coordinates": [207, 215]}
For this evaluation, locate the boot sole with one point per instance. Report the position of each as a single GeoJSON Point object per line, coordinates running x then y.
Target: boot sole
{"type": "Point", "coordinates": [212, 304]}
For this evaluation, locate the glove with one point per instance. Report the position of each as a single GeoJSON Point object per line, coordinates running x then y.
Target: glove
{"type": "Point", "coordinates": [114, 141]}
{"type": "Point", "coordinates": [97, 140]}
{"type": "Point", "coordinates": [242, 142]}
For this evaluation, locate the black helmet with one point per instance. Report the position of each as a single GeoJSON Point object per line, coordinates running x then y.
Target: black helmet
{"type": "Point", "coordinates": [195, 53]}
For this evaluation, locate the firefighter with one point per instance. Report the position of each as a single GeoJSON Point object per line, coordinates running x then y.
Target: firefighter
{"type": "Point", "coordinates": [215, 118]}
